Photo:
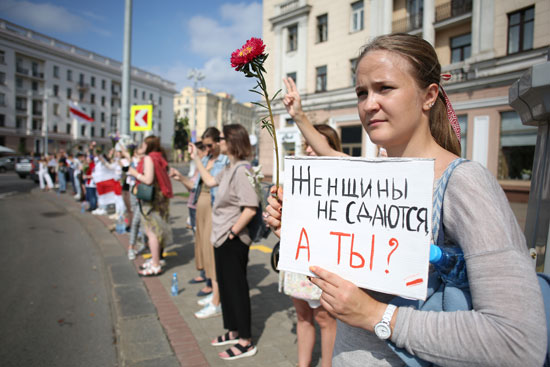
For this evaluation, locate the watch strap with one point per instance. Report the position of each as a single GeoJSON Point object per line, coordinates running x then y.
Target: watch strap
{"type": "Point", "coordinates": [388, 314]}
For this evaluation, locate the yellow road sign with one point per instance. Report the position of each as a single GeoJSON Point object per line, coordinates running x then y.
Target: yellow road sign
{"type": "Point", "coordinates": [141, 118]}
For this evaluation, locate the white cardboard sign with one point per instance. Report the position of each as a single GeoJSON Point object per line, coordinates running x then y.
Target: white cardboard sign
{"type": "Point", "coordinates": [367, 220]}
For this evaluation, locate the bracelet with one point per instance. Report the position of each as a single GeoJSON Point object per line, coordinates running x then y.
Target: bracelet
{"type": "Point", "coordinates": [233, 233]}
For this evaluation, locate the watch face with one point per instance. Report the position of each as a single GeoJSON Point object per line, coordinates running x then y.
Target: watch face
{"type": "Point", "coordinates": [382, 330]}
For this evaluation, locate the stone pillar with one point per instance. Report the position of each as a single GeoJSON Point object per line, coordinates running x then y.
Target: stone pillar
{"type": "Point", "coordinates": [530, 96]}
{"type": "Point", "coordinates": [483, 19]}
{"type": "Point", "coordinates": [428, 19]}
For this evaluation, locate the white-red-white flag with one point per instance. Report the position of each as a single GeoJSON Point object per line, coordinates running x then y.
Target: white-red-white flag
{"type": "Point", "coordinates": [78, 113]}
{"type": "Point", "coordinates": [109, 189]}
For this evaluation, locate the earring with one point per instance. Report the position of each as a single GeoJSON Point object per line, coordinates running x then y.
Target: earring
{"type": "Point", "coordinates": [431, 105]}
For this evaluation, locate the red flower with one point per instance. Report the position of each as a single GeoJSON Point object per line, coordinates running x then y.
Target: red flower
{"type": "Point", "coordinates": [253, 48]}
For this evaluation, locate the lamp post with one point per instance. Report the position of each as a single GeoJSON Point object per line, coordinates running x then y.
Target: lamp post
{"type": "Point", "coordinates": [196, 76]}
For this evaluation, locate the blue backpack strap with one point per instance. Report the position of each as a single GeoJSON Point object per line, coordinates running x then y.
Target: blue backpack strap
{"type": "Point", "coordinates": [544, 282]}
{"type": "Point", "coordinates": [436, 290]}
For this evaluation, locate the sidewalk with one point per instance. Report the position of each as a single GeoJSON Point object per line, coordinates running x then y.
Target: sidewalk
{"type": "Point", "coordinates": [156, 329]}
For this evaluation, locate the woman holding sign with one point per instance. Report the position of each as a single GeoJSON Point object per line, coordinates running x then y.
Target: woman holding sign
{"type": "Point", "coordinates": [235, 206]}
{"type": "Point", "coordinates": [403, 108]}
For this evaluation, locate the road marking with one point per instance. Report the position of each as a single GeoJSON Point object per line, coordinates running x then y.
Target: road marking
{"type": "Point", "coordinates": [165, 254]}
{"type": "Point", "coordinates": [261, 248]}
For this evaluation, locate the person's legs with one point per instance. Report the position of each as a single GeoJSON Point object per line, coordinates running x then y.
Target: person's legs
{"type": "Point", "coordinates": [305, 331]}
{"type": "Point", "coordinates": [77, 187]}
{"type": "Point", "coordinates": [327, 323]}
{"type": "Point", "coordinates": [41, 180]}
{"type": "Point", "coordinates": [62, 182]}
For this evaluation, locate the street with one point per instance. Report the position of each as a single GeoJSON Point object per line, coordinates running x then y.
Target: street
{"type": "Point", "coordinates": [55, 308]}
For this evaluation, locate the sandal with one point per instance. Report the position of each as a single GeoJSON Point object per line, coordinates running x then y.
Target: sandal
{"type": "Point", "coordinates": [246, 351]}
{"type": "Point", "coordinates": [151, 271]}
{"type": "Point", "coordinates": [224, 340]}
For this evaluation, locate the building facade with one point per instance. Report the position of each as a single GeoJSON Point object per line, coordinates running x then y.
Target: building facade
{"type": "Point", "coordinates": [212, 109]}
{"type": "Point", "coordinates": [40, 76]}
{"type": "Point", "coordinates": [484, 44]}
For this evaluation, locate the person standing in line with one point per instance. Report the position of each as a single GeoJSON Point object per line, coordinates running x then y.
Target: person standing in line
{"type": "Point", "coordinates": [153, 170]}
{"type": "Point", "coordinates": [89, 183]}
{"type": "Point", "coordinates": [62, 172]}
{"type": "Point", "coordinates": [235, 206]}
{"type": "Point", "coordinates": [52, 169]}
{"type": "Point", "coordinates": [190, 183]}
{"type": "Point", "coordinates": [134, 160]}
{"type": "Point", "coordinates": [404, 109]}
{"type": "Point", "coordinates": [77, 173]}
{"type": "Point", "coordinates": [43, 176]}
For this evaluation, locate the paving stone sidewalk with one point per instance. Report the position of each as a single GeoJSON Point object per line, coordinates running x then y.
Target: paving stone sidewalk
{"type": "Point", "coordinates": [157, 329]}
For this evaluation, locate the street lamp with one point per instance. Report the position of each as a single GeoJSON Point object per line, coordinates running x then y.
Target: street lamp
{"type": "Point", "coordinates": [195, 75]}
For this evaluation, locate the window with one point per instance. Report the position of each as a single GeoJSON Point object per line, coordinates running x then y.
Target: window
{"type": "Point", "coordinates": [81, 96]}
{"type": "Point", "coordinates": [102, 116]}
{"type": "Point", "coordinates": [54, 128]}
{"type": "Point", "coordinates": [461, 47]}
{"type": "Point", "coordinates": [56, 109]}
{"type": "Point", "coordinates": [520, 30]}
{"type": "Point", "coordinates": [151, 96]}
{"type": "Point", "coordinates": [2, 78]}
{"type": "Point", "coordinates": [19, 82]}
{"type": "Point", "coordinates": [290, 122]}
{"type": "Point", "coordinates": [20, 122]}
{"type": "Point", "coordinates": [69, 93]}
{"type": "Point", "coordinates": [34, 67]}
{"type": "Point", "coordinates": [143, 95]}
{"type": "Point", "coordinates": [292, 76]}
{"type": "Point", "coordinates": [2, 120]}
{"type": "Point", "coordinates": [83, 130]}
{"type": "Point", "coordinates": [160, 100]}
{"type": "Point", "coordinates": [55, 90]}
{"type": "Point", "coordinates": [322, 28]}
{"type": "Point", "coordinates": [103, 84]}
{"type": "Point", "coordinates": [35, 86]}
{"type": "Point", "coordinates": [81, 79]}
{"type": "Point", "coordinates": [103, 100]}
{"type": "Point", "coordinates": [56, 71]}
{"type": "Point", "coordinates": [68, 128]}
{"type": "Point", "coordinates": [36, 125]}
{"type": "Point", "coordinates": [352, 140]}
{"type": "Point", "coordinates": [517, 147]}
{"type": "Point", "coordinates": [2, 99]}
{"type": "Point", "coordinates": [92, 114]}
{"type": "Point", "coordinates": [357, 16]}
{"type": "Point", "coordinates": [20, 104]}
{"type": "Point", "coordinates": [2, 57]}
{"type": "Point", "coordinates": [135, 93]}
{"type": "Point", "coordinates": [69, 75]}
{"type": "Point", "coordinates": [92, 81]}
{"type": "Point", "coordinates": [92, 98]}
{"type": "Point", "coordinates": [102, 132]}
{"type": "Point", "coordinates": [353, 71]}
{"type": "Point", "coordinates": [92, 131]}
{"type": "Point", "coordinates": [321, 79]}
{"type": "Point", "coordinates": [463, 121]}
{"type": "Point", "coordinates": [68, 111]}
{"type": "Point", "coordinates": [292, 40]}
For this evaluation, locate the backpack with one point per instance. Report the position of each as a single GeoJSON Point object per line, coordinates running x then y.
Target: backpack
{"type": "Point", "coordinates": [257, 229]}
{"type": "Point", "coordinates": [442, 297]}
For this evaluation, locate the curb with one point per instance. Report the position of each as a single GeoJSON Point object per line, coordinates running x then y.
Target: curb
{"type": "Point", "coordinates": [142, 318]}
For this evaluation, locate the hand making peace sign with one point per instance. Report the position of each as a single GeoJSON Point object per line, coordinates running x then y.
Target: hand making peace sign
{"type": "Point", "coordinates": [292, 99]}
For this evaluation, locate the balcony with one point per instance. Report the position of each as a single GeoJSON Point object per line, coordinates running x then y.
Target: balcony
{"type": "Point", "coordinates": [21, 70]}
{"type": "Point", "coordinates": [83, 86]}
{"type": "Point", "coordinates": [409, 23]}
{"type": "Point", "coordinates": [37, 112]}
{"type": "Point", "coordinates": [38, 75]}
{"type": "Point", "coordinates": [454, 8]}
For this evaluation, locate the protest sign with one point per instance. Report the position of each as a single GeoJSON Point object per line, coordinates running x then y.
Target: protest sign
{"type": "Point", "coordinates": [367, 220]}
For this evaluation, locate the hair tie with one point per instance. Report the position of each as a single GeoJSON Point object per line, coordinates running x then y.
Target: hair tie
{"type": "Point", "coordinates": [451, 115]}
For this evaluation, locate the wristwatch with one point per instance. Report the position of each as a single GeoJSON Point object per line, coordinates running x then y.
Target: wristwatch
{"type": "Point", "coordinates": [233, 233]}
{"type": "Point", "coordinates": [383, 329]}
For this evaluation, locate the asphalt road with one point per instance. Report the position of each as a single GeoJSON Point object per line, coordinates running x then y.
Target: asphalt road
{"type": "Point", "coordinates": [10, 183]}
{"type": "Point", "coordinates": [54, 308]}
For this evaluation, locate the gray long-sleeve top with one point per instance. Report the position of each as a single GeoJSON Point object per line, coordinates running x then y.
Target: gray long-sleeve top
{"type": "Point", "coordinates": [507, 326]}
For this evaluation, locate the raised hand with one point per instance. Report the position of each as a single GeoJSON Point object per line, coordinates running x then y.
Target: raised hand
{"type": "Point", "coordinates": [192, 149]}
{"type": "Point", "coordinates": [292, 100]}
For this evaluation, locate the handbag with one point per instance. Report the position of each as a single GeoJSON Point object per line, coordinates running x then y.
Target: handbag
{"type": "Point", "coordinates": [145, 192]}
{"type": "Point", "coordinates": [298, 286]}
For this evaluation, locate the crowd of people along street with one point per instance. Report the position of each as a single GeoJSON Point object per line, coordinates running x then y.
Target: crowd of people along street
{"type": "Point", "coordinates": [403, 109]}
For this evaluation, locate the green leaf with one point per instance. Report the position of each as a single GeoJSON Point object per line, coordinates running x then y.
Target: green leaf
{"type": "Point", "coordinates": [276, 94]}
{"type": "Point", "coordinates": [259, 104]}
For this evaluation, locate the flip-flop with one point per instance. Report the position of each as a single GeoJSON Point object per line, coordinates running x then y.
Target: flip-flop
{"type": "Point", "coordinates": [203, 293]}
{"type": "Point", "coordinates": [224, 340]}
{"type": "Point", "coordinates": [195, 281]}
{"type": "Point", "coordinates": [151, 271]}
{"type": "Point", "coordinates": [245, 352]}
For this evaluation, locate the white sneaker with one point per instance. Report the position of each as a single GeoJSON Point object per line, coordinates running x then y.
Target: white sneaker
{"type": "Point", "coordinates": [99, 211]}
{"type": "Point", "coordinates": [205, 300]}
{"type": "Point", "coordinates": [131, 254]}
{"type": "Point", "coordinates": [209, 311]}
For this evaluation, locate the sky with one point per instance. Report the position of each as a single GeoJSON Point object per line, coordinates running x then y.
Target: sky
{"type": "Point", "coordinates": [169, 37]}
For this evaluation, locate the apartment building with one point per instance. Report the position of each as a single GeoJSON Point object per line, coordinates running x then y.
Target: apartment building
{"type": "Point", "coordinates": [40, 76]}
{"type": "Point", "coordinates": [485, 44]}
{"type": "Point", "coordinates": [212, 109]}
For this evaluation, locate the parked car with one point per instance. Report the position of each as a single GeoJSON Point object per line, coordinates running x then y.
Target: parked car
{"type": "Point", "coordinates": [27, 167]}
{"type": "Point", "coordinates": [7, 164]}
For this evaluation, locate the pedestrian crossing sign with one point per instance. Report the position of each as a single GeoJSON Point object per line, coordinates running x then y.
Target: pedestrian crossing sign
{"type": "Point", "coordinates": [141, 118]}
